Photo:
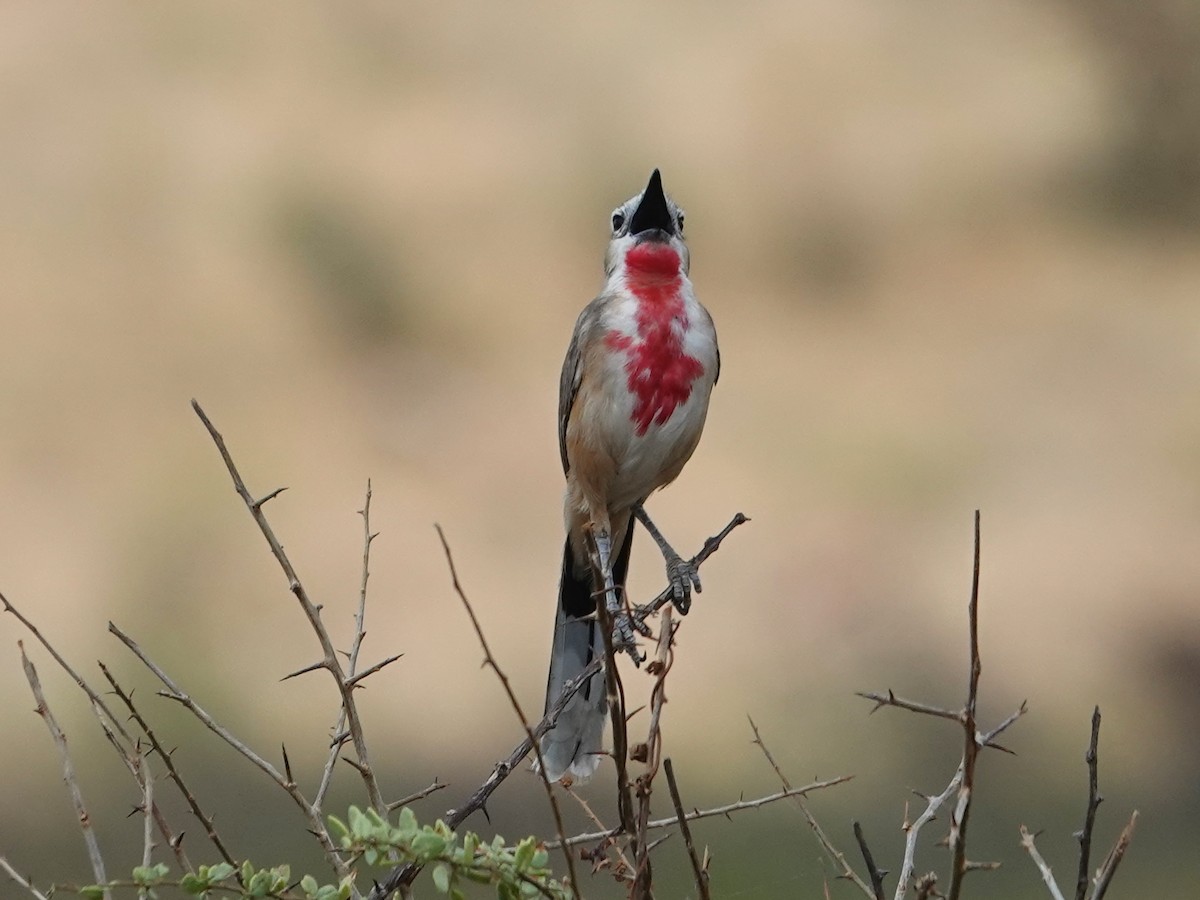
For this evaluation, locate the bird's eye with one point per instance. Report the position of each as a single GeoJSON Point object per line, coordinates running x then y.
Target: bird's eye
{"type": "Point", "coordinates": [679, 222]}
{"type": "Point", "coordinates": [618, 221]}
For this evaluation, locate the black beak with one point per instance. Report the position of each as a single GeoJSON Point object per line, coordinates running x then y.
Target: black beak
{"type": "Point", "coordinates": [652, 213]}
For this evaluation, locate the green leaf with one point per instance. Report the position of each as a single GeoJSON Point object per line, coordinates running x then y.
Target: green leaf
{"type": "Point", "coordinates": [408, 823]}
{"type": "Point", "coordinates": [441, 878]}
{"type": "Point", "coordinates": [220, 871]}
{"type": "Point", "coordinates": [308, 884]}
{"type": "Point", "coordinates": [524, 854]}
{"type": "Point", "coordinates": [428, 844]}
{"type": "Point", "coordinates": [193, 884]}
{"type": "Point", "coordinates": [345, 888]}
{"type": "Point", "coordinates": [339, 827]}
{"type": "Point", "coordinates": [92, 892]}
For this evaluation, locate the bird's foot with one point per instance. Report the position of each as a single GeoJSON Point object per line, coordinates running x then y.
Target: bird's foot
{"type": "Point", "coordinates": [682, 574]}
{"type": "Point", "coordinates": [684, 577]}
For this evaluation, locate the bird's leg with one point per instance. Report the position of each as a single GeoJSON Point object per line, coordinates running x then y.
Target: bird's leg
{"type": "Point", "coordinates": [682, 575]}
{"type": "Point", "coordinates": [623, 638]}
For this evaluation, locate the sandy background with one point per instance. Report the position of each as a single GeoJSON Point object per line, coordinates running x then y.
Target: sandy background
{"type": "Point", "coordinates": [952, 257]}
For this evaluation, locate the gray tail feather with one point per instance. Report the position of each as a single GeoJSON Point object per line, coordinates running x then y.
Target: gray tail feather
{"type": "Point", "coordinates": [574, 745]}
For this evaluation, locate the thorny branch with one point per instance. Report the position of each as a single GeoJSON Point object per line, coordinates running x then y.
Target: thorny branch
{"type": "Point", "coordinates": [339, 734]}
{"type": "Point", "coordinates": [315, 825]}
{"type": "Point", "coordinates": [962, 809]}
{"type": "Point", "coordinates": [311, 611]}
{"type": "Point", "coordinates": [60, 741]}
{"type": "Point", "coordinates": [699, 869]}
{"type": "Point", "coordinates": [172, 772]}
{"type": "Point", "coordinates": [834, 853]}
{"type": "Point", "coordinates": [695, 814]}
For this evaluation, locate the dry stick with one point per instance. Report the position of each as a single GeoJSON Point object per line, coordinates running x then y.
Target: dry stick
{"type": "Point", "coordinates": [112, 728]}
{"type": "Point", "coordinates": [490, 661]}
{"type": "Point", "coordinates": [403, 875]}
{"type": "Point", "coordinates": [699, 872]}
{"type": "Point", "coordinates": [174, 692]}
{"type": "Point", "coordinates": [311, 611]}
{"type": "Point", "coordinates": [1115, 855]}
{"type": "Point", "coordinates": [417, 795]}
{"type": "Point", "coordinates": [20, 879]}
{"type": "Point", "coordinates": [339, 736]}
{"type": "Point", "coordinates": [835, 855]}
{"type": "Point", "coordinates": [172, 772]}
{"type": "Point", "coordinates": [695, 814]}
{"type": "Point", "coordinates": [60, 741]}
{"type": "Point", "coordinates": [1094, 799]}
{"type": "Point", "coordinates": [1047, 874]}
{"type": "Point", "coordinates": [962, 809]}
{"type": "Point", "coordinates": [148, 821]}
{"type": "Point", "coordinates": [659, 668]}
{"type": "Point", "coordinates": [873, 872]}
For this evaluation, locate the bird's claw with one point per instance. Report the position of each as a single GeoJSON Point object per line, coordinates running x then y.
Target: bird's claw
{"type": "Point", "coordinates": [683, 576]}
{"type": "Point", "coordinates": [623, 637]}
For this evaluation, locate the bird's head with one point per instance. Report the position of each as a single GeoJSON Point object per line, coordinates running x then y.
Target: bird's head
{"type": "Point", "coordinates": [647, 230]}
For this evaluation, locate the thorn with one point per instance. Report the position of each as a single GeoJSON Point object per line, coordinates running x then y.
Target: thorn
{"type": "Point", "coordinates": [312, 668]}
{"type": "Point", "coordinates": [258, 504]}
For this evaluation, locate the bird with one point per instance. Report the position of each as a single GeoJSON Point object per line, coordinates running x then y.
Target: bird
{"type": "Point", "coordinates": [633, 398]}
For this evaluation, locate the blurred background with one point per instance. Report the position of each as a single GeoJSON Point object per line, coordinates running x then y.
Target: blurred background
{"type": "Point", "coordinates": [952, 256]}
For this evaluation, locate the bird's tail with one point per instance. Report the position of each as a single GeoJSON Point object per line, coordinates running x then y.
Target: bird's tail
{"type": "Point", "coordinates": [574, 745]}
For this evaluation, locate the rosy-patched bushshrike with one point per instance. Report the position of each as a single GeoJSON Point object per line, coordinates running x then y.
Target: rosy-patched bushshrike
{"type": "Point", "coordinates": [631, 406]}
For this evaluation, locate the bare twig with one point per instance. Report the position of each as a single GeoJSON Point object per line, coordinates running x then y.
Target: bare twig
{"type": "Point", "coordinates": [838, 858]}
{"type": "Point", "coordinates": [699, 872]}
{"type": "Point", "coordinates": [311, 611]}
{"type": "Point", "coordinates": [1047, 874]}
{"type": "Point", "coordinates": [1094, 799]}
{"type": "Point", "coordinates": [172, 772]}
{"type": "Point", "coordinates": [873, 872]}
{"type": "Point", "coordinates": [417, 795]}
{"type": "Point", "coordinates": [707, 813]}
{"type": "Point", "coordinates": [1105, 874]}
{"type": "Point", "coordinates": [60, 741]}
{"type": "Point", "coordinates": [20, 879]}
{"type": "Point", "coordinates": [491, 662]}
{"type": "Point", "coordinates": [355, 646]}
{"type": "Point", "coordinates": [147, 819]}
{"type": "Point", "coordinates": [174, 692]}
{"type": "Point", "coordinates": [962, 809]}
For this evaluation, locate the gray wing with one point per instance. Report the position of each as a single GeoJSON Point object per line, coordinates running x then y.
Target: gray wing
{"type": "Point", "coordinates": [572, 372]}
